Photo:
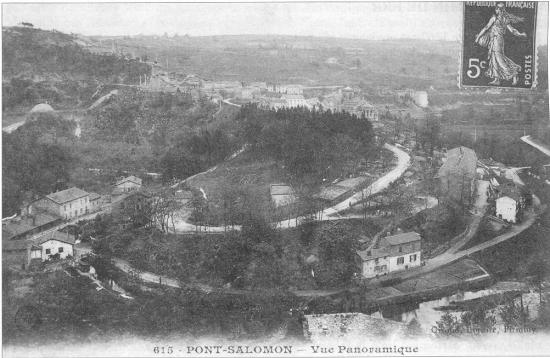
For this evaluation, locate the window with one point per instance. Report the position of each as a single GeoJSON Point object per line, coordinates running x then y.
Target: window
{"type": "Point", "coordinates": [400, 260]}
{"type": "Point", "coordinates": [376, 261]}
{"type": "Point", "coordinates": [400, 249]}
{"type": "Point", "coordinates": [412, 258]}
{"type": "Point", "coordinates": [60, 249]}
{"type": "Point", "coordinates": [81, 210]}
{"type": "Point", "coordinates": [65, 207]}
{"type": "Point", "coordinates": [48, 251]}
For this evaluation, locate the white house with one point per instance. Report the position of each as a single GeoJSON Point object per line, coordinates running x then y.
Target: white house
{"type": "Point", "coordinates": [69, 203]}
{"type": "Point", "coordinates": [509, 203]}
{"type": "Point", "coordinates": [54, 243]}
{"type": "Point", "coordinates": [395, 253]}
{"type": "Point", "coordinates": [127, 184]}
{"type": "Point", "coordinates": [507, 208]}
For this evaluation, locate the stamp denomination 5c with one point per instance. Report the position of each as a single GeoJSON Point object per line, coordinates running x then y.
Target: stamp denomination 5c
{"type": "Point", "coordinates": [498, 44]}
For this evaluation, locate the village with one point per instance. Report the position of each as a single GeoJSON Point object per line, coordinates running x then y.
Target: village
{"type": "Point", "coordinates": [42, 236]}
{"type": "Point", "coordinates": [255, 207]}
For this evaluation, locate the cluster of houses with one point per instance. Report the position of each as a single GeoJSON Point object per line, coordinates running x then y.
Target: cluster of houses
{"type": "Point", "coordinates": [39, 233]}
{"type": "Point", "coordinates": [457, 179]}
{"type": "Point", "coordinates": [267, 95]}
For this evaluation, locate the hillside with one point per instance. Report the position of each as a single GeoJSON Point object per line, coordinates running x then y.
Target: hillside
{"type": "Point", "coordinates": [40, 66]}
{"type": "Point", "coordinates": [306, 60]}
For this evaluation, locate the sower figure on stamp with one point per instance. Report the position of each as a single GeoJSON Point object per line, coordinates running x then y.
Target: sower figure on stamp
{"type": "Point", "coordinates": [491, 36]}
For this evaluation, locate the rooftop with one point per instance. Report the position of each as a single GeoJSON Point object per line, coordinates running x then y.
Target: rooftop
{"type": "Point", "coordinates": [281, 189]}
{"type": "Point", "coordinates": [94, 196]}
{"type": "Point", "coordinates": [371, 254]}
{"type": "Point", "coordinates": [125, 195]}
{"type": "Point", "coordinates": [67, 195]}
{"type": "Point", "coordinates": [131, 178]}
{"type": "Point", "coordinates": [509, 190]}
{"type": "Point", "coordinates": [15, 245]}
{"type": "Point", "coordinates": [403, 238]}
{"type": "Point", "coordinates": [21, 225]}
{"type": "Point", "coordinates": [55, 235]}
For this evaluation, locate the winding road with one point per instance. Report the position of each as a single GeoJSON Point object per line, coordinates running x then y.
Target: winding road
{"type": "Point", "coordinates": [382, 183]}
{"type": "Point", "coordinates": [452, 255]}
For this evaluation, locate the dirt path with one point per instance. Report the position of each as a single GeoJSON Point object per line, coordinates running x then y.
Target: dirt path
{"type": "Point", "coordinates": [480, 207]}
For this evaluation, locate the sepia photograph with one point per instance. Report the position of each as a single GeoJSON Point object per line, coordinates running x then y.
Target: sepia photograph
{"type": "Point", "coordinates": [275, 179]}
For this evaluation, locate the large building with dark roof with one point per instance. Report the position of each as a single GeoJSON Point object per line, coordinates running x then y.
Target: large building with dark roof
{"type": "Point", "coordinates": [393, 253]}
{"type": "Point", "coordinates": [68, 204]}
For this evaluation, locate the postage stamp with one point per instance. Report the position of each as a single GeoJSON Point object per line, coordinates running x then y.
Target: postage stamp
{"type": "Point", "coordinates": [498, 44]}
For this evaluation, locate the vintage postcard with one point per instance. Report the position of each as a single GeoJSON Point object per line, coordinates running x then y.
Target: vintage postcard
{"type": "Point", "coordinates": [275, 179]}
{"type": "Point", "coordinates": [498, 44]}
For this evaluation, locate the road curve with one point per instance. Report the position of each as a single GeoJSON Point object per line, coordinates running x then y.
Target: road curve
{"type": "Point", "coordinates": [382, 183]}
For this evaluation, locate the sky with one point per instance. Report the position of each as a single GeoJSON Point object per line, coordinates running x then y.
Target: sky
{"type": "Point", "coordinates": [375, 20]}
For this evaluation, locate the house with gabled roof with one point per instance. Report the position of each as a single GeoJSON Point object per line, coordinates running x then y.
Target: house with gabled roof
{"type": "Point", "coordinates": [127, 184]}
{"type": "Point", "coordinates": [69, 203]}
{"type": "Point", "coordinates": [393, 253]}
{"type": "Point", "coordinates": [55, 243]}
{"type": "Point", "coordinates": [22, 253]}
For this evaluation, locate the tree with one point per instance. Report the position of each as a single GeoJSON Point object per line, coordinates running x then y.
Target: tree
{"type": "Point", "coordinates": [478, 318]}
{"type": "Point", "coordinates": [538, 270]}
{"type": "Point", "coordinates": [200, 208]}
{"type": "Point", "coordinates": [448, 325]}
{"type": "Point", "coordinates": [164, 207]}
{"type": "Point", "coordinates": [138, 210]}
{"type": "Point", "coordinates": [514, 315]}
